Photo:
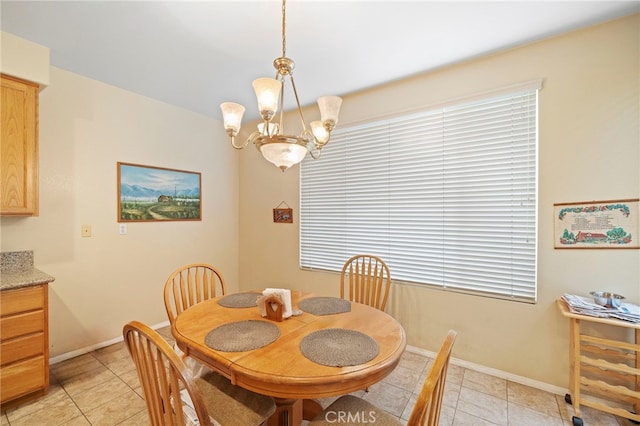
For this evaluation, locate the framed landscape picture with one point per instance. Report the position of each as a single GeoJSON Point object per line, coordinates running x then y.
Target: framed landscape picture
{"type": "Point", "coordinates": [156, 194]}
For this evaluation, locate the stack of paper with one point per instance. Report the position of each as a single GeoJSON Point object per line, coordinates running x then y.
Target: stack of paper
{"type": "Point", "coordinates": [586, 306]}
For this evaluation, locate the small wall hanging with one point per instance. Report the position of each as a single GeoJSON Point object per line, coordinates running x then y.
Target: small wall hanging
{"type": "Point", "coordinates": [283, 215]}
{"type": "Point", "coordinates": [596, 224]}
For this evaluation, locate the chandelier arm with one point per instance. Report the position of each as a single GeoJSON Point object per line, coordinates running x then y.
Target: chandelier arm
{"type": "Point", "coordinates": [252, 137]}
{"type": "Point", "coordinates": [312, 142]}
{"type": "Point", "coordinates": [315, 156]}
{"type": "Point", "coordinates": [281, 125]}
{"type": "Point", "coordinates": [295, 93]}
{"type": "Point", "coordinates": [280, 78]}
{"type": "Point", "coordinates": [319, 145]}
{"type": "Point", "coordinates": [233, 143]}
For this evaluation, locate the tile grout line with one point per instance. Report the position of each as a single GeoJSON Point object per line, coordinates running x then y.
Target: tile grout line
{"type": "Point", "coordinates": [74, 403]}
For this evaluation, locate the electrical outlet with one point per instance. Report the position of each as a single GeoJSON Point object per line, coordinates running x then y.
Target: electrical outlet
{"type": "Point", "coordinates": [86, 230]}
{"type": "Point", "coordinates": [123, 229]}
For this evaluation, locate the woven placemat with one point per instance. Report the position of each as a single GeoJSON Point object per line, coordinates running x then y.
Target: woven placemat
{"type": "Point", "coordinates": [339, 347]}
{"type": "Point", "coordinates": [242, 336]}
{"type": "Point", "coordinates": [325, 305]}
{"type": "Point", "coordinates": [239, 300]}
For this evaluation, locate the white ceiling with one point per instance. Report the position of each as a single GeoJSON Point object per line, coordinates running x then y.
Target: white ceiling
{"type": "Point", "coordinates": [197, 54]}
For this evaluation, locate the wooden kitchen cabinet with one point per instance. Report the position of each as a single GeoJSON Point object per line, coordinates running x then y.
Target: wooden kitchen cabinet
{"type": "Point", "coordinates": [24, 344]}
{"type": "Point", "coordinates": [19, 153]}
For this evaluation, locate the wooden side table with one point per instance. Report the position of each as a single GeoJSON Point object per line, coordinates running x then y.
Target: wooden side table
{"type": "Point", "coordinates": [604, 369]}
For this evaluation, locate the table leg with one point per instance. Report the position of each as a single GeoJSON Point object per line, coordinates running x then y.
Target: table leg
{"type": "Point", "coordinates": [288, 413]}
{"type": "Point", "coordinates": [574, 367]}
{"type": "Point", "coordinates": [310, 409]}
{"type": "Point", "coordinates": [636, 406]}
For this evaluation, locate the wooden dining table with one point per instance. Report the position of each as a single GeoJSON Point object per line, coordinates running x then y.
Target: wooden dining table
{"type": "Point", "coordinates": [280, 369]}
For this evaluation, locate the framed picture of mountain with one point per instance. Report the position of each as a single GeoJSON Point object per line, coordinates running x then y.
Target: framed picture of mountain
{"type": "Point", "coordinates": [157, 194]}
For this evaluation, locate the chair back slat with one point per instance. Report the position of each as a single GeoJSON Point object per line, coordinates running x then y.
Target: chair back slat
{"type": "Point", "coordinates": [184, 290]}
{"type": "Point", "coordinates": [368, 280]}
{"type": "Point", "coordinates": [429, 402]}
{"type": "Point", "coordinates": [191, 284]}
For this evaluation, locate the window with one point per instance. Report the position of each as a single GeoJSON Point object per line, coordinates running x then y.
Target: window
{"type": "Point", "coordinates": [446, 196]}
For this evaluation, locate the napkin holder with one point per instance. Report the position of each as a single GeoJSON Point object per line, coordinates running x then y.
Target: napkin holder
{"type": "Point", "coordinates": [272, 307]}
{"type": "Point", "coordinates": [285, 299]}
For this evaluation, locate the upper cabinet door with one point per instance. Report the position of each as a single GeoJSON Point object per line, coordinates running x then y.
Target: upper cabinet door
{"type": "Point", "coordinates": [19, 154]}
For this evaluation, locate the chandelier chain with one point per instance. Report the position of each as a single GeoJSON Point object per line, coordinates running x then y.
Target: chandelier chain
{"type": "Point", "coordinates": [284, 36]}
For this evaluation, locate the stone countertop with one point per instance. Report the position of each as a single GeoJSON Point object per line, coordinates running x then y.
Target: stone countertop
{"type": "Point", "coordinates": [23, 278]}
{"type": "Point", "coordinates": [16, 271]}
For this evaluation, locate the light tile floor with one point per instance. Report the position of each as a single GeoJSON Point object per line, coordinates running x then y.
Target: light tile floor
{"type": "Point", "coordinates": [102, 388]}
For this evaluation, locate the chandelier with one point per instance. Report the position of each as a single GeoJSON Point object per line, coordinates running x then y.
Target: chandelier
{"type": "Point", "coordinates": [277, 147]}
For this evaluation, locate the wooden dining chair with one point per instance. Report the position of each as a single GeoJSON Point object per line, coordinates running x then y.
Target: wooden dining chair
{"type": "Point", "coordinates": [367, 280]}
{"type": "Point", "coordinates": [186, 286]}
{"type": "Point", "coordinates": [191, 284]}
{"type": "Point", "coordinates": [357, 411]}
{"type": "Point", "coordinates": [173, 397]}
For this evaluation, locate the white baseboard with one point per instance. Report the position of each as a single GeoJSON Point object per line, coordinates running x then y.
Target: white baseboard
{"type": "Point", "coordinates": [496, 373]}
{"type": "Point", "coordinates": [73, 354]}
{"type": "Point", "coordinates": [466, 364]}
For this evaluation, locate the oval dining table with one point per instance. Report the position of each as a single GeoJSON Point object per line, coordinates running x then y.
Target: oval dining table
{"type": "Point", "coordinates": [280, 369]}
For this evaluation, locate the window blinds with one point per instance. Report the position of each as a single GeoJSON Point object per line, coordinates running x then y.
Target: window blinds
{"type": "Point", "coordinates": [447, 197]}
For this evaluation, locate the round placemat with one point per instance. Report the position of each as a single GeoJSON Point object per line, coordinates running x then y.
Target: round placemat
{"type": "Point", "coordinates": [339, 347]}
{"type": "Point", "coordinates": [239, 300]}
{"type": "Point", "coordinates": [324, 305]}
{"type": "Point", "coordinates": [242, 336]}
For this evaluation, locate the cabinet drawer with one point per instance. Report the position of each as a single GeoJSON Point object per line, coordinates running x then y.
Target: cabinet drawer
{"type": "Point", "coordinates": [22, 378]}
{"type": "Point", "coordinates": [21, 348]}
{"type": "Point", "coordinates": [21, 324]}
{"type": "Point", "coordinates": [20, 300]}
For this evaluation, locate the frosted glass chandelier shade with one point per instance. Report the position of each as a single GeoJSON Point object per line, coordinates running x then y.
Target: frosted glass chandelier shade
{"type": "Point", "coordinates": [319, 132]}
{"type": "Point", "coordinates": [329, 108]}
{"type": "Point", "coordinates": [283, 154]}
{"type": "Point", "coordinates": [232, 114]}
{"type": "Point", "coordinates": [267, 92]}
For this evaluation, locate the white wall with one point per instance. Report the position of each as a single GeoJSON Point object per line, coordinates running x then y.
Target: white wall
{"type": "Point", "coordinates": [106, 280]}
{"type": "Point", "coordinates": [589, 150]}
{"type": "Point", "coordinates": [24, 59]}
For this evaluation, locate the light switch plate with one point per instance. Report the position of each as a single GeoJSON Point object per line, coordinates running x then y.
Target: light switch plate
{"type": "Point", "coordinates": [86, 230]}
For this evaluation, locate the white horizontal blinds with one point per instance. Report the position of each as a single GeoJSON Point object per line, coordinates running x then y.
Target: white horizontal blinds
{"type": "Point", "coordinates": [489, 204]}
{"type": "Point", "coordinates": [416, 227]}
{"type": "Point", "coordinates": [345, 198]}
{"type": "Point", "coordinates": [446, 197]}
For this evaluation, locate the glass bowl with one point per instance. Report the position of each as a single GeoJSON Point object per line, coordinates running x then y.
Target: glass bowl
{"type": "Point", "coordinates": [609, 300]}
